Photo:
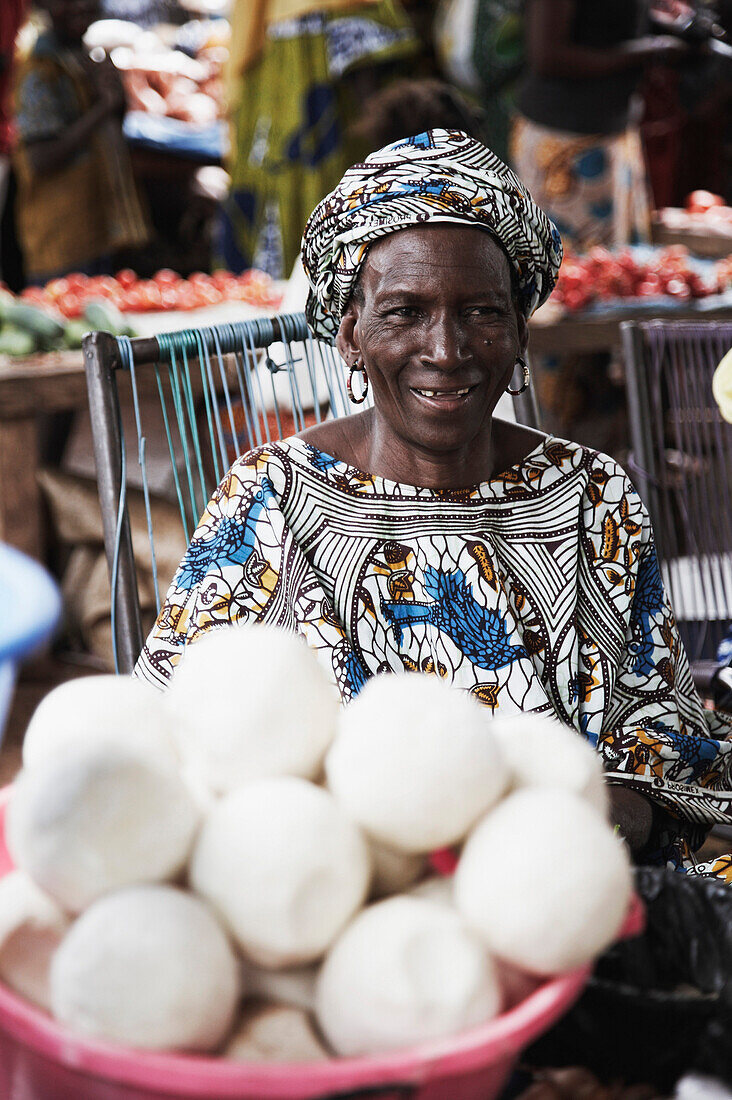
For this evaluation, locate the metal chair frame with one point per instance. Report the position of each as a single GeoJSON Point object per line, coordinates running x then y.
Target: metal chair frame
{"type": "Point", "coordinates": [681, 462]}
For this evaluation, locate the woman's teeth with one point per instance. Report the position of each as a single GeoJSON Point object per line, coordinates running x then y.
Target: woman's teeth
{"type": "Point", "coordinates": [444, 393]}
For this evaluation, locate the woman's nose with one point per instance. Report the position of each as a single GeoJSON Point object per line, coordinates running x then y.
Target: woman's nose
{"type": "Point", "coordinates": [445, 344]}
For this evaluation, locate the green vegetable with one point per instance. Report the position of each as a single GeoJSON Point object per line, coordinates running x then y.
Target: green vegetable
{"type": "Point", "coordinates": [5, 300]}
{"type": "Point", "coordinates": [75, 331]}
{"type": "Point", "coordinates": [16, 341]}
{"type": "Point", "coordinates": [46, 330]}
{"type": "Point", "coordinates": [103, 316]}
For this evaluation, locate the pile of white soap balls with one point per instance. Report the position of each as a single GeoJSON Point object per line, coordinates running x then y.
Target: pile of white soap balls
{"type": "Point", "coordinates": [239, 865]}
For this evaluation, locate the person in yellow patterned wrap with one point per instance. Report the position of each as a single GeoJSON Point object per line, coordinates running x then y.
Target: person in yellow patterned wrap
{"type": "Point", "coordinates": [427, 534]}
{"type": "Point", "coordinates": [77, 203]}
{"type": "Point", "coordinates": [298, 73]}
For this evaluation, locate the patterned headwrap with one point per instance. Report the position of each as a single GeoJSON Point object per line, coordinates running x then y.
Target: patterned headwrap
{"type": "Point", "coordinates": [438, 176]}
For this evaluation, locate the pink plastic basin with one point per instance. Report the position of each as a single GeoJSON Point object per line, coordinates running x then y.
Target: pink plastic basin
{"type": "Point", "coordinates": [39, 1060]}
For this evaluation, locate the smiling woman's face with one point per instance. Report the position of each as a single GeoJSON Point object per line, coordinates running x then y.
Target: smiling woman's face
{"type": "Point", "coordinates": [436, 326]}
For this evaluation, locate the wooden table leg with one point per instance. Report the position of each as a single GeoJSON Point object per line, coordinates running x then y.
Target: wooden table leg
{"type": "Point", "coordinates": [20, 495]}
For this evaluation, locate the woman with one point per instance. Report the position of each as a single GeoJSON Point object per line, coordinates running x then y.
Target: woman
{"type": "Point", "coordinates": [424, 534]}
{"type": "Point", "coordinates": [575, 141]}
{"type": "Point", "coordinates": [77, 205]}
{"type": "Point", "coordinates": [298, 73]}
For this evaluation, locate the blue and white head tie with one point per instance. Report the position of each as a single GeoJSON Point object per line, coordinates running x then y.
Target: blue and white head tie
{"type": "Point", "coordinates": [438, 176]}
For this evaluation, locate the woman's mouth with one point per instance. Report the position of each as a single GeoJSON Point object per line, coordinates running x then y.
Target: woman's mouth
{"type": "Point", "coordinates": [443, 398]}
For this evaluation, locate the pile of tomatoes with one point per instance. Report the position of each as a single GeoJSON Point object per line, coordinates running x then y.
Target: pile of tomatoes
{"type": "Point", "coordinates": [165, 291]}
{"type": "Point", "coordinates": [601, 276]}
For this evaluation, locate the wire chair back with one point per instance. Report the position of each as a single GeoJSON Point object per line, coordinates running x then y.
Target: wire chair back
{"type": "Point", "coordinates": [682, 463]}
{"type": "Point", "coordinates": [221, 391]}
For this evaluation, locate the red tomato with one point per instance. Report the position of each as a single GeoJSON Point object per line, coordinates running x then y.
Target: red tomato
{"type": "Point", "coordinates": [166, 277]}
{"type": "Point", "coordinates": [56, 287]}
{"type": "Point", "coordinates": [77, 281]}
{"type": "Point", "coordinates": [698, 202]}
{"type": "Point", "coordinates": [220, 277]}
{"type": "Point", "coordinates": [70, 305]}
{"type": "Point", "coordinates": [208, 295]}
{"type": "Point", "coordinates": [126, 277]}
{"type": "Point", "coordinates": [187, 297]}
{"type": "Point", "coordinates": [150, 293]}
{"type": "Point", "coordinates": [104, 285]}
{"type": "Point", "coordinates": [169, 296]}
{"type": "Point", "coordinates": [650, 287]}
{"type": "Point", "coordinates": [135, 301]}
{"type": "Point", "coordinates": [229, 287]}
{"type": "Point", "coordinates": [678, 288]}
{"type": "Point", "coordinates": [34, 294]}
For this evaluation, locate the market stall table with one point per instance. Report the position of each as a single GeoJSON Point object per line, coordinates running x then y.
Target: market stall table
{"type": "Point", "coordinates": [47, 383]}
{"type": "Point", "coordinates": [702, 237]}
{"type": "Point", "coordinates": [555, 332]}
{"type": "Point", "coordinates": [55, 382]}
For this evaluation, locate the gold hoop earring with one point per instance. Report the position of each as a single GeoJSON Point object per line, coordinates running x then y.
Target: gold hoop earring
{"type": "Point", "coordinates": [360, 369]}
{"type": "Point", "coordinates": [527, 378]}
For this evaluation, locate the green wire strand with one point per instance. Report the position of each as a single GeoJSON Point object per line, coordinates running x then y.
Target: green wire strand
{"type": "Point", "coordinates": [171, 450]}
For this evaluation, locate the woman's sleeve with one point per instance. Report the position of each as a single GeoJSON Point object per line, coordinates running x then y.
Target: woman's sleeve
{"type": "Point", "coordinates": [657, 737]}
{"type": "Point", "coordinates": [243, 565]}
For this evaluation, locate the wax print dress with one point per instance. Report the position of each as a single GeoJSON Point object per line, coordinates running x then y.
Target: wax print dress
{"type": "Point", "coordinates": [538, 590]}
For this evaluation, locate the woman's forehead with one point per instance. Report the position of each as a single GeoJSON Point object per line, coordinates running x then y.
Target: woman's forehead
{"type": "Point", "coordinates": [451, 252]}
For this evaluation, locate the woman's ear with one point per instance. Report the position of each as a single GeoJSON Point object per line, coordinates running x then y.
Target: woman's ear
{"type": "Point", "coordinates": [347, 338]}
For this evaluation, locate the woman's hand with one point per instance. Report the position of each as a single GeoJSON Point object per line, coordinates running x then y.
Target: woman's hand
{"type": "Point", "coordinates": [632, 813]}
{"type": "Point", "coordinates": [552, 52]}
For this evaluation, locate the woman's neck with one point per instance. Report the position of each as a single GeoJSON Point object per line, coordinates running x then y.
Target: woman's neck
{"type": "Point", "coordinates": [358, 441]}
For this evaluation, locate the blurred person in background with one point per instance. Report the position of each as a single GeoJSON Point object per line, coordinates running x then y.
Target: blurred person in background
{"type": "Point", "coordinates": [299, 72]}
{"type": "Point", "coordinates": [419, 104]}
{"type": "Point", "coordinates": [479, 44]}
{"type": "Point", "coordinates": [575, 141]}
{"type": "Point", "coordinates": [77, 204]}
{"type": "Point", "coordinates": [11, 17]}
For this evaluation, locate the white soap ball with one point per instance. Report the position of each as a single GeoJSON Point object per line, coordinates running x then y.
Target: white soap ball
{"type": "Point", "coordinates": [294, 987]}
{"type": "Point", "coordinates": [284, 867]}
{"type": "Point", "coordinates": [119, 708]}
{"type": "Point", "coordinates": [544, 880]}
{"type": "Point", "coordinates": [100, 817]}
{"type": "Point", "coordinates": [32, 926]}
{"type": "Point", "coordinates": [249, 702]}
{"type": "Point", "coordinates": [435, 888]}
{"type": "Point", "coordinates": [275, 1033]}
{"type": "Point", "coordinates": [414, 762]}
{"type": "Point", "coordinates": [541, 752]}
{"type": "Point", "coordinates": [394, 871]}
{"type": "Point", "coordinates": [406, 970]}
{"type": "Point", "coordinates": [148, 966]}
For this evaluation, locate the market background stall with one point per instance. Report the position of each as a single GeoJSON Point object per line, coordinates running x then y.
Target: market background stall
{"type": "Point", "coordinates": [170, 57]}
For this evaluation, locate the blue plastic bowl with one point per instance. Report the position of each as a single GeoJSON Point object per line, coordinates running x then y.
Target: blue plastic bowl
{"type": "Point", "coordinates": [30, 606]}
